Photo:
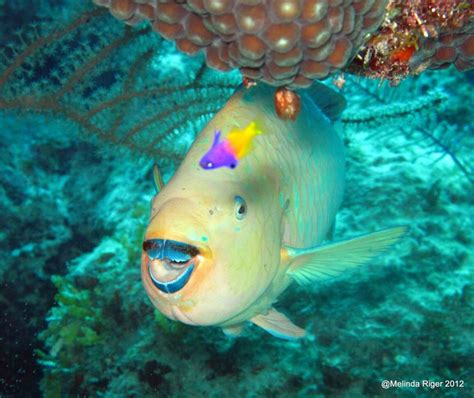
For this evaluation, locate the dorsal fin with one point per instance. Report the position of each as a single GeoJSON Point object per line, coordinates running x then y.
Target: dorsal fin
{"type": "Point", "coordinates": [329, 101]}
{"type": "Point", "coordinates": [217, 136]}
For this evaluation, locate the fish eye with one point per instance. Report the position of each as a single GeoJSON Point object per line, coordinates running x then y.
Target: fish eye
{"type": "Point", "coordinates": [240, 207]}
{"type": "Point", "coordinates": [209, 164]}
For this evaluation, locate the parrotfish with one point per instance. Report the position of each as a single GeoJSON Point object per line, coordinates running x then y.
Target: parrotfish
{"type": "Point", "coordinates": [228, 152]}
{"type": "Point", "coordinates": [221, 247]}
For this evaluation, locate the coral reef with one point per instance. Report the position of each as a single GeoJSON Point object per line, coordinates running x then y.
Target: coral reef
{"type": "Point", "coordinates": [406, 316]}
{"type": "Point", "coordinates": [75, 206]}
{"type": "Point", "coordinates": [52, 88]}
{"type": "Point", "coordinates": [291, 43]}
{"type": "Point", "coordinates": [416, 35]}
{"type": "Point", "coordinates": [47, 184]}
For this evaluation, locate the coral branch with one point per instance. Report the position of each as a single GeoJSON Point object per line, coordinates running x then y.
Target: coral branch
{"type": "Point", "coordinates": [44, 41]}
{"type": "Point", "coordinates": [91, 63]}
{"type": "Point", "coordinates": [396, 110]}
{"type": "Point", "coordinates": [447, 150]}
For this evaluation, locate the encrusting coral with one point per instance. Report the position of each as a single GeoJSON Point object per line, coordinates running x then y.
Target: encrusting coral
{"type": "Point", "coordinates": [416, 35]}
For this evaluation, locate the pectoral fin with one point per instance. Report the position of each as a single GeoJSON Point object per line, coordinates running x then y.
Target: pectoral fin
{"type": "Point", "coordinates": [308, 265]}
{"type": "Point", "coordinates": [278, 325]}
{"type": "Point", "coordinates": [158, 180]}
{"type": "Point", "coordinates": [330, 102]}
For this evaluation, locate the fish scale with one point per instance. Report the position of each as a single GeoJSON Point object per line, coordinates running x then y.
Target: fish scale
{"type": "Point", "coordinates": [314, 180]}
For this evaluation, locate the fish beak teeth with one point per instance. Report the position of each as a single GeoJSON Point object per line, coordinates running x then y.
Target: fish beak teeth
{"type": "Point", "coordinates": [170, 263]}
{"type": "Point", "coordinates": [176, 265]}
{"type": "Point", "coordinates": [166, 280]}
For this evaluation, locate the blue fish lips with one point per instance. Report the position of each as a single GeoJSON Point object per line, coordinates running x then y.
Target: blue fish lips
{"type": "Point", "coordinates": [172, 286]}
{"type": "Point", "coordinates": [170, 263]}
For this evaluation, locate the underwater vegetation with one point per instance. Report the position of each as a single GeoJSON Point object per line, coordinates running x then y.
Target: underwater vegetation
{"type": "Point", "coordinates": [94, 78]}
{"type": "Point", "coordinates": [87, 105]}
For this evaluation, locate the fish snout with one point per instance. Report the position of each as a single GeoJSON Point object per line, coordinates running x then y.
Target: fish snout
{"type": "Point", "coordinates": [170, 263]}
{"type": "Point", "coordinates": [206, 164]}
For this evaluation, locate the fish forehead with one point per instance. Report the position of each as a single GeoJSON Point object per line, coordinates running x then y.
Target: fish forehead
{"type": "Point", "coordinates": [307, 156]}
{"type": "Point", "coordinates": [208, 198]}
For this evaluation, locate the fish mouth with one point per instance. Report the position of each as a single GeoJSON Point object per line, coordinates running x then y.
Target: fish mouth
{"type": "Point", "coordinates": [170, 263]}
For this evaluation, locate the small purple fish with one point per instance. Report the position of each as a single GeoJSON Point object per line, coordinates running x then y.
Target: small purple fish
{"type": "Point", "coordinates": [221, 154]}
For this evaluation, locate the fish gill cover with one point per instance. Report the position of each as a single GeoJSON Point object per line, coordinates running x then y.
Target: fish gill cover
{"type": "Point", "coordinates": [87, 105]}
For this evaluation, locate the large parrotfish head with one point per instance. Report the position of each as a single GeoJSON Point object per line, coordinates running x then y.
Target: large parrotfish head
{"type": "Point", "coordinates": [212, 245]}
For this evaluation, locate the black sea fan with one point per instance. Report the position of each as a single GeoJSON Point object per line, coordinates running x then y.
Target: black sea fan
{"type": "Point", "coordinates": [116, 83]}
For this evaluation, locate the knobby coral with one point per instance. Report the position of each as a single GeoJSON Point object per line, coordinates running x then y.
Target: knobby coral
{"type": "Point", "coordinates": [293, 42]}
{"type": "Point", "coordinates": [284, 43]}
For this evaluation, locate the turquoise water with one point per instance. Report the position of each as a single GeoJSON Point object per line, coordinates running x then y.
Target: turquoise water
{"type": "Point", "coordinates": [83, 120]}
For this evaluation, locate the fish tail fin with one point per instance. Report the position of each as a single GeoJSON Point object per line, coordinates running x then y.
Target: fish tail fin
{"type": "Point", "coordinates": [255, 129]}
